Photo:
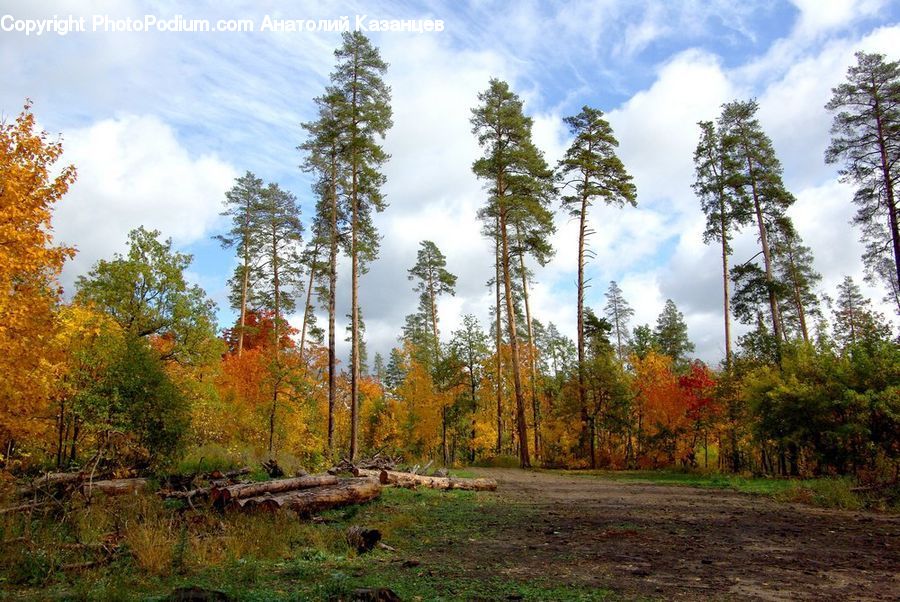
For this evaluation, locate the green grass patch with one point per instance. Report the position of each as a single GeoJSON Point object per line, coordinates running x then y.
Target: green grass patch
{"type": "Point", "coordinates": [826, 492]}
{"type": "Point", "coordinates": [278, 557]}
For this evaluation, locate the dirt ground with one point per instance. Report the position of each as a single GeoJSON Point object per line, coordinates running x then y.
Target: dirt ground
{"type": "Point", "coordinates": [662, 542]}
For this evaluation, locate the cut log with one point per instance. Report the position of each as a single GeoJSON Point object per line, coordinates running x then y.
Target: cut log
{"type": "Point", "coordinates": [404, 479]}
{"type": "Point", "coordinates": [222, 495]}
{"type": "Point", "coordinates": [307, 501]}
{"type": "Point", "coordinates": [115, 486]}
{"type": "Point", "coordinates": [184, 495]}
{"type": "Point", "coordinates": [367, 472]}
{"type": "Point", "coordinates": [53, 483]}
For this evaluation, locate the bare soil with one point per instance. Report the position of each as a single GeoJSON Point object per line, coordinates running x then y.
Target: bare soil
{"type": "Point", "coordinates": [664, 542]}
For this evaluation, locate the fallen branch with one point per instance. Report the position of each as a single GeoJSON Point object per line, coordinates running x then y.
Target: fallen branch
{"type": "Point", "coordinates": [29, 506]}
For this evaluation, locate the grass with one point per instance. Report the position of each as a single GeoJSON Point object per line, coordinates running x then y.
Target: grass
{"type": "Point", "coordinates": [274, 557]}
{"type": "Point", "coordinates": [825, 492]}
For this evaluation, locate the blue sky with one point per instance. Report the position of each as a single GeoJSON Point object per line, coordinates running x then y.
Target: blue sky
{"type": "Point", "coordinates": [159, 125]}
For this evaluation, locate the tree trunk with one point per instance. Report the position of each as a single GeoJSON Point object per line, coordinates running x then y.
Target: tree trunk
{"type": "Point", "coordinates": [474, 386]}
{"type": "Point", "coordinates": [245, 277]}
{"type": "Point", "coordinates": [354, 285]}
{"type": "Point", "coordinates": [522, 428]}
{"type": "Point", "coordinates": [499, 337]}
{"type": "Point", "coordinates": [115, 486]}
{"type": "Point", "coordinates": [582, 232]}
{"type": "Point", "coordinates": [304, 502]}
{"type": "Point", "coordinates": [444, 434]}
{"type": "Point", "coordinates": [532, 356]}
{"type": "Point", "coordinates": [767, 259]}
{"type": "Point", "coordinates": [306, 309]}
{"type": "Point", "coordinates": [277, 342]}
{"type": "Point", "coordinates": [405, 479]}
{"type": "Point", "coordinates": [354, 351]}
{"type": "Point", "coordinates": [222, 495]}
{"type": "Point", "coordinates": [332, 292]}
{"type": "Point", "coordinates": [726, 294]}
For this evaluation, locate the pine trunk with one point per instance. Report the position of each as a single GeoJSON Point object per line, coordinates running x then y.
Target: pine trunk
{"type": "Point", "coordinates": [277, 342]}
{"type": "Point", "coordinates": [582, 231]}
{"type": "Point", "coordinates": [499, 337]}
{"type": "Point", "coordinates": [521, 426]}
{"type": "Point", "coordinates": [767, 259]}
{"type": "Point", "coordinates": [532, 356]}
{"type": "Point", "coordinates": [332, 292]}
{"type": "Point", "coordinates": [307, 307]}
{"type": "Point", "coordinates": [726, 294]}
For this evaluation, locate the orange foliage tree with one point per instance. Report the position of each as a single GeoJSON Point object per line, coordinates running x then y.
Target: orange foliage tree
{"type": "Point", "coordinates": [29, 266]}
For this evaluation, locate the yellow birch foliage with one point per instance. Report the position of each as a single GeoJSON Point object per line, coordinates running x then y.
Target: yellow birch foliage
{"type": "Point", "coordinates": [29, 266]}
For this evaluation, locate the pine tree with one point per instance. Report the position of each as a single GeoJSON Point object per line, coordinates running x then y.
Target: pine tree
{"type": "Point", "coordinates": [725, 210]}
{"type": "Point", "coordinates": [865, 134]}
{"type": "Point", "coordinates": [324, 147]}
{"type": "Point", "coordinates": [671, 334]}
{"type": "Point", "coordinates": [519, 183]}
{"type": "Point", "coordinates": [643, 341]}
{"type": "Point", "coordinates": [533, 238]}
{"type": "Point", "coordinates": [619, 314]}
{"type": "Point", "coordinates": [364, 116]}
{"type": "Point", "coordinates": [591, 170]}
{"type": "Point", "coordinates": [276, 241]}
{"type": "Point", "coordinates": [757, 177]}
{"type": "Point", "coordinates": [241, 202]}
{"type": "Point", "coordinates": [855, 322]}
{"type": "Point", "coordinates": [395, 372]}
{"type": "Point", "coordinates": [433, 281]}
{"type": "Point", "coordinates": [794, 271]}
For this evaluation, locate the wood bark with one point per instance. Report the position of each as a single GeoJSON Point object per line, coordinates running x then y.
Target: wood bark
{"type": "Point", "coordinates": [499, 333]}
{"type": "Point", "coordinates": [521, 427]}
{"type": "Point", "coordinates": [222, 495]}
{"type": "Point", "coordinates": [307, 501]}
{"type": "Point", "coordinates": [405, 479]}
{"type": "Point", "coordinates": [532, 355]}
{"type": "Point", "coordinates": [582, 234]}
{"type": "Point", "coordinates": [308, 306]}
{"type": "Point", "coordinates": [115, 486]}
{"type": "Point", "coordinates": [332, 292]}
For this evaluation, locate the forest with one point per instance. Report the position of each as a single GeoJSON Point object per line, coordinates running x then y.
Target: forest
{"type": "Point", "coordinates": [130, 375]}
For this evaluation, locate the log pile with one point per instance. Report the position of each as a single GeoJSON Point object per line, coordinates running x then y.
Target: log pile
{"type": "Point", "coordinates": [411, 480]}
{"type": "Point", "coordinates": [221, 496]}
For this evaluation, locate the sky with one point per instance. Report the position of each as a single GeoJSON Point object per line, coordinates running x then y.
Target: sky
{"type": "Point", "coordinates": [159, 124]}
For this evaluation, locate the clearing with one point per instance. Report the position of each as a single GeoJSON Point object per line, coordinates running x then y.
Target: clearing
{"type": "Point", "coordinates": [645, 540]}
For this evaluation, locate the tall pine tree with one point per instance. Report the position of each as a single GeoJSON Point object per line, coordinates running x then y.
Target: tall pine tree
{"type": "Point", "coordinates": [364, 118]}
{"type": "Point", "coordinates": [865, 134]}
{"type": "Point", "coordinates": [518, 180]}
{"type": "Point", "coordinates": [591, 170]}
{"type": "Point", "coordinates": [756, 176]}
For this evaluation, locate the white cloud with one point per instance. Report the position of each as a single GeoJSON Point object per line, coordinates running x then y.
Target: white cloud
{"type": "Point", "coordinates": [818, 17]}
{"type": "Point", "coordinates": [133, 171]}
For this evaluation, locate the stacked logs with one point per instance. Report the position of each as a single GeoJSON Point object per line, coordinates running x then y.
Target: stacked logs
{"type": "Point", "coordinates": [303, 495]}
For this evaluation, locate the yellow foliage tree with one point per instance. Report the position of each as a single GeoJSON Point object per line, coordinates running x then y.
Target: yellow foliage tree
{"type": "Point", "coordinates": [29, 266]}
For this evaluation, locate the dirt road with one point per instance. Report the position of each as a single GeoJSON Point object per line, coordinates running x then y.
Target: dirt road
{"type": "Point", "coordinates": [662, 542]}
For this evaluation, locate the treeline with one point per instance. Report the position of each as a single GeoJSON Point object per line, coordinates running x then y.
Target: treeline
{"type": "Point", "coordinates": [133, 370]}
